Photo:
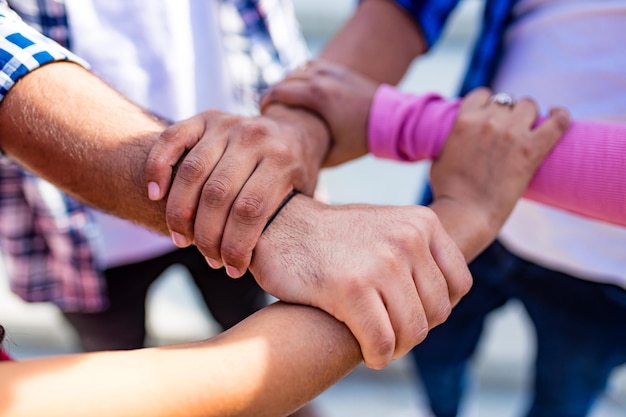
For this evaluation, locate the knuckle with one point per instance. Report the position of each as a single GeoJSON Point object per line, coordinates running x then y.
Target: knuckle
{"type": "Point", "coordinates": [192, 169]}
{"type": "Point", "coordinates": [424, 225]}
{"type": "Point", "coordinates": [173, 134]}
{"type": "Point", "coordinates": [429, 216]}
{"type": "Point", "coordinates": [380, 352]}
{"type": "Point", "coordinates": [460, 286]}
{"type": "Point", "coordinates": [234, 254]}
{"type": "Point", "coordinates": [155, 163]}
{"type": "Point", "coordinates": [354, 287]}
{"type": "Point", "coordinates": [216, 192]}
{"type": "Point", "coordinates": [285, 157]}
{"type": "Point", "coordinates": [491, 127]}
{"type": "Point", "coordinates": [421, 332]}
{"type": "Point", "coordinates": [441, 313]}
{"type": "Point", "coordinates": [180, 218]}
{"type": "Point", "coordinates": [466, 283]}
{"type": "Point", "coordinates": [388, 261]}
{"type": "Point", "coordinates": [465, 121]}
{"type": "Point", "coordinates": [207, 245]}
{"type": "Point", "coordinates": [252, 130]}
{"type": "Point", "coordinates": [249, 209]}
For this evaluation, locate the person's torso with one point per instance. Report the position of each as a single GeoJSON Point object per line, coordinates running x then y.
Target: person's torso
{"type": "Point", "coordinates": [568, 53]}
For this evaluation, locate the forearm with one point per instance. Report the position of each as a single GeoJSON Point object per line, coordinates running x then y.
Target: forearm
{"type": "Point", "coordinates": [380, 41]}
{"type": "Point", "coordinates": [585, 173]}
{"type": "Point", "coordinates": [269, 365]}
{"type": "Point", "coordinates": [469, 229]}
{"type": "Point", "coordinates": [92, 145]}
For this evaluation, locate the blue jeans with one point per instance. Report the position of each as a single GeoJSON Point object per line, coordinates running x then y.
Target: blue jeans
{"type": "Point", "coordinates": [580, 327]}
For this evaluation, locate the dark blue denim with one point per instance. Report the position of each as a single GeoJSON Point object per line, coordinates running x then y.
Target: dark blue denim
{"type": "Point", "coordinates": [580, 327]}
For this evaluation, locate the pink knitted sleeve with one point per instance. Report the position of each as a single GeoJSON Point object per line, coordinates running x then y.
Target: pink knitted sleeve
{"type": "Point", "coordinates": [584, 174]}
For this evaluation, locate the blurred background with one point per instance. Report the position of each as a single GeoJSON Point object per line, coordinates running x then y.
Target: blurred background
{"type": "Point", "coordinates": [175, 313]}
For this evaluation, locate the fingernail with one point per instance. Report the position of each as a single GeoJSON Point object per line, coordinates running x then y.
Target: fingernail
{"type": "Point", "coordinates": [154, 191]}
{"type": "Point", "coordinates": [180, 240]}
{"type": "Point", "coordinates": [213, 263]}
{"type": "Point", "coordinates": [233, 272]}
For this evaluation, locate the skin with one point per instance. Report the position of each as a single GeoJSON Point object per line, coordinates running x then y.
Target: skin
{"type": "Point", "coordinates": [380, 41]}
{"type": "Point", "coordinates": [483, 129]}
{"type": "Point", "coordinates": [95, 146]}
{"type": "Point", "coordinates": [233, 180]}
{"type": "Point", "coordinates": [250, 167]}
{"type": "Point", "coordinates": [397, 314]}
{"type": "Point", "coordinates": [356, 47]}
{"type": "Point", "coordinates": [269, 365]}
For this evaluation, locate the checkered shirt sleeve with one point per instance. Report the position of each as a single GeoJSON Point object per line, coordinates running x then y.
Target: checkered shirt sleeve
{"type": "Point", "coordinates": [23, 49]}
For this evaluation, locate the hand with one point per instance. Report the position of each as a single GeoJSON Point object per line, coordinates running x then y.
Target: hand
{"type": "Point", "coordinates": [389, 273]}
{"type": "Point", "coordinates": [233, 175]}
{"type": "Point", "coordinates": [487, 162]}
{"type": "Point", "coordinates": [339, 96]}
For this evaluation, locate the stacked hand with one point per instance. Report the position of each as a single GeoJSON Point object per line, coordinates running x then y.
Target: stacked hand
{"type": "Point", "coordinates": [488, 161]}
{"type": "Point", "coordinates": [231, 174]}
{"type": "Point", "coordinates": [389, 273]}
{"type": "Point", "coordinates": [342, 98]}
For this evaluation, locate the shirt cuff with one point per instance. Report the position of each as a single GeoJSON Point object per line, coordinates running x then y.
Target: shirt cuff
{"type": "Point", "coordinates": [382, 140]}
{"type": "Point", "coordinates": [23, 49]}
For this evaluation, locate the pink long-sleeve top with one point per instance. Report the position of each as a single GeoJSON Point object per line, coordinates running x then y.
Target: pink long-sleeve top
{"type": "Point", "coordinates": [585, 173]}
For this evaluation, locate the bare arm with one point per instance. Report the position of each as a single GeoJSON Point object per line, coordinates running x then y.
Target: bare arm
{"type": "Point", "coordinates": [269, 365]}
{"type": "Point", "coordinates": [67, 126]}
{"type": "Point", "coordinates": [380, 41]}
{"type": "Point", "coordinates": [95, 146]}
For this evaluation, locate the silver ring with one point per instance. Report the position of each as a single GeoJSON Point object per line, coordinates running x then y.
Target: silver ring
{"type": "Point", "coordinates": [503, 99]}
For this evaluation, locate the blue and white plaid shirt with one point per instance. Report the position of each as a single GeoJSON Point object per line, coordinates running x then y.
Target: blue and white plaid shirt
{"type": "Point", "coordinates": [45, 235]}
{"type": "Point", "coordinates": [432, 16]}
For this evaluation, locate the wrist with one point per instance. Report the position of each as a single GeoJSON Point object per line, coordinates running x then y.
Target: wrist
{"type": "Point", "coordinates": [470, 226]}
{"type": "Point", "coordinates": [294, 222]}
{"type": "Point", "coordinates": [309, 127]}
{"type": "Point", "coordinates": [282, 205]}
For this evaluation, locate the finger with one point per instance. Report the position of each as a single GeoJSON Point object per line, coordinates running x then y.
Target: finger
{"type": "Point", "coordinates": [476, 99]}
{"type": "Point", "coordinates": [367, 318]}
{"type": "Point", "coordinates": [407, 314]}
{"type": "Point", "coordinates": [216, 201]}
{"type": "Point", "coordinates": [549, 132]}
{"type": "Point", "coordinates": [270, 95]}
{"type": "Point", "coordinates": [452, 264]}
{"type": "Point", "coordinates": [525, 112]}
{"type": "Point", "coordinates": [190, 178]}
{"type": "Point", "coordinates": [166, 153]}
{"type": "Point", "coordinates": [258, 200]}
{"type": "Point", "coordinates": [296, 93]}
{"type": "Point", "coordinates": [433, 291]}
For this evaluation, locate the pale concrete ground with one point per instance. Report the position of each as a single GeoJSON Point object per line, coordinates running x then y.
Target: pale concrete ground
{"type": "Point", "coordinates": [176, 314]}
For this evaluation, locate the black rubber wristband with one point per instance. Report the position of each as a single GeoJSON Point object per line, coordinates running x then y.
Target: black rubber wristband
{"type": "Point", "coordinates": [282, 205]}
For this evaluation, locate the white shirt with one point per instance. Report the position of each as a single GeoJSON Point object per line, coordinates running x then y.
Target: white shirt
{"type": "Point", "coordinates": [164, 55]}
{"type": "Point", "coordinates": [568, 53]}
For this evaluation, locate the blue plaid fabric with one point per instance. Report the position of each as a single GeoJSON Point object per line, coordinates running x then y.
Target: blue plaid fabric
{"type": "Point", "coordinates": [432, 16]}
{"type": "Point", "coordinates": [262, 42]}
{"type": "Point", "coordinates": [23, 49]}
{"type": "Point", "coordinates": [45, 16]}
